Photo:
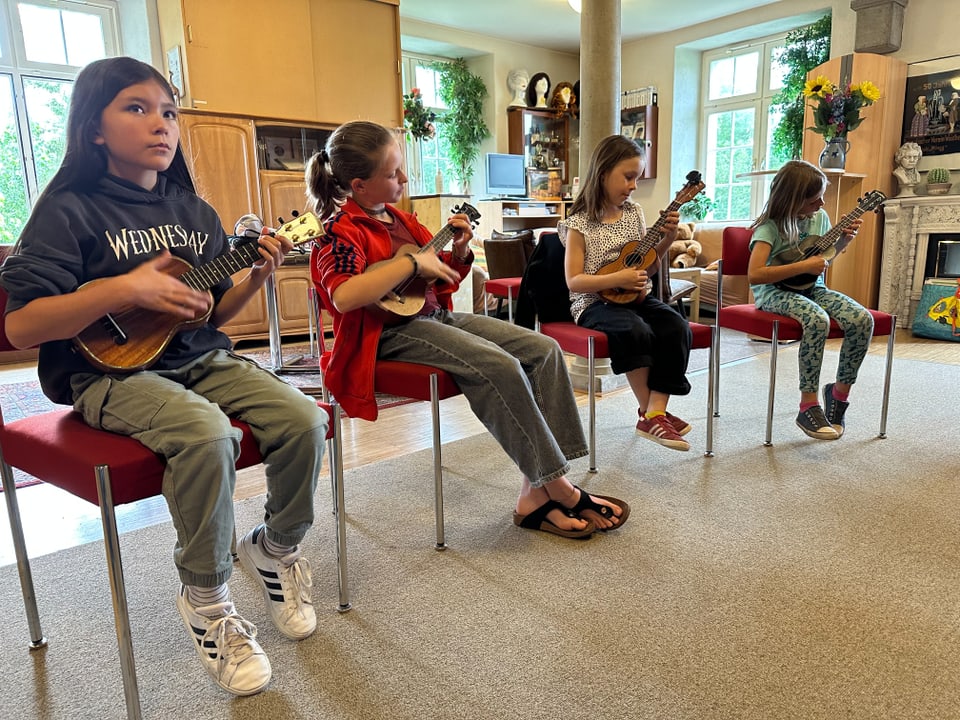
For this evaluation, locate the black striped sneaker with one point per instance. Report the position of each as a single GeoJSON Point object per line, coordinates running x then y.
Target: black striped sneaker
{"type": "Point", "coordinates": [286, 584]}
{"type": "Point", "coordinates": [227, 646]}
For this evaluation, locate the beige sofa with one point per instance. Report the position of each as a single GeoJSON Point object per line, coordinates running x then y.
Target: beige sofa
{"type": "Point", "coordinates": [736, 290]}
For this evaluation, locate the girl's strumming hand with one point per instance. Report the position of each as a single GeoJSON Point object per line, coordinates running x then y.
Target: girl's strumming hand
{"type": "Point", "coordinates": [630, 278]}
{"type": "Point", "coordinates": [431, 267]}
{"type": "Point", "coordinates": [153, 286]}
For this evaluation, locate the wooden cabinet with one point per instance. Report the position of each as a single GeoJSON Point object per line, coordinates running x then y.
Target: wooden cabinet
{"type": "Point", "coordinates": [357, 61]}
{"type": "Point", "coordinates": [230, 64]}
{"type": "Point", "coordinates": [224, 154]}
{"type": "Point", "coordinates": [642, 124]}
{"type": "Point", "coordinates": [433, 211]}
{"type": "Point", "coordinates": [869, 166]}
{"type": "Point", "coordinates": [299, 60]}
{"type": "Point", "coordinates": [543, 139]}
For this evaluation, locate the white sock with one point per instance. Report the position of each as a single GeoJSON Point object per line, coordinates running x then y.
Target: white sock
{"type": "Point", "coordinates": [274, 549]}
{"type": "Point", "coordinates": [203, 596]}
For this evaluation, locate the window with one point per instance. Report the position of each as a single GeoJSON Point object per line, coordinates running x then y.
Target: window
{"type": "Point", "coordinates": [43, 44]}
{"type": "Point", "coordinates": [425, 157]}
{"type": "Point", "coordinates": [738, 126]}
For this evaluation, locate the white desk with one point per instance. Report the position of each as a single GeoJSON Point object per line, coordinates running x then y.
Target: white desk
{"type": "Point", "coordinates": [691, 274]}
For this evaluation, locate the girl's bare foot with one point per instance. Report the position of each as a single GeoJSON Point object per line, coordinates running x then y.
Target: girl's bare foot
{"type": "Point", "coordinates": [565, 493]}
{"type": "Point", "coordinates": [532, 498]}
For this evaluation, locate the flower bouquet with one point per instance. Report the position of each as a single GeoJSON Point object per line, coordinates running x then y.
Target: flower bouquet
{"type": "Point", "coordinates": [418, 120]}
{"type": "Point", "coordinates": [836, 111]}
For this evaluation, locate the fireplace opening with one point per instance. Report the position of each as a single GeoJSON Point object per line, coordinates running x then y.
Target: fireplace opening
{"type": "Point", "coordinates": [943, 256]}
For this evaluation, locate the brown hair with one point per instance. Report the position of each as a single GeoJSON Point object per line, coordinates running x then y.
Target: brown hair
{"type": "Point", "coordinates": [353, 150]}
{"type": "Point", "coordinates": [609, 153]}
{"type": "Point", "coordinates": [795, 184]}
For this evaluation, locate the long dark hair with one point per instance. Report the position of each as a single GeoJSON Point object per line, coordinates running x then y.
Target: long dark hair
{"type": "Point", "coordinates": [353, 150]}
{"type": "Point", "coordinates": [85, 162]}
{"type": "Point", "coordinates": [609, 153]}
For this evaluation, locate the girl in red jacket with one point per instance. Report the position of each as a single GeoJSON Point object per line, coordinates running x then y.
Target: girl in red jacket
{"type": "Point", "coordinates": [515, 379]}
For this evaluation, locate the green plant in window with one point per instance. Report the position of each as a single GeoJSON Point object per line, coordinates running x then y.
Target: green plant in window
{"type": "Point", "coordinates": [696, 209]}
{"type": "Point", "coordinates": [463, 92]}
{"type": "Point", "coordinates": [805, 48]}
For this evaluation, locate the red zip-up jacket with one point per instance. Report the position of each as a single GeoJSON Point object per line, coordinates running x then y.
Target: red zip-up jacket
{"type": "Point", "coordinates": [353, 242]}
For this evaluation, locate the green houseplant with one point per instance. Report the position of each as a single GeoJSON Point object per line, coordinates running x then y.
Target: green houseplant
{"type": "Point", "coordinates": [697, 208]}
{"type": "Point", "coordinates": [805, 48]}
{"type": "Point", "coordinates": [463, 92]}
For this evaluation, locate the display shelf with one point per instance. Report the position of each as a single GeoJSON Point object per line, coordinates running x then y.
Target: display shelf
{"type": "Point", "coordinates": [641, 124]}
{"type": "Point", "coordinates": [543, 138]}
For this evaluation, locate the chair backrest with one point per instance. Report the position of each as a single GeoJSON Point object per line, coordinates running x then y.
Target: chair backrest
{"type": "Point", "coordinates": [543, 291]}
{"type": "Point", "coordinates": [736, 250]}
{"type": "Point", "coordinates": [507, 254]}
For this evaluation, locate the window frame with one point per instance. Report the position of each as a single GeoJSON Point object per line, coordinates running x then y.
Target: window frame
{"type": "Point", "coordinates": [419, 184]}
{"type": "Point", "coordinates": [758, 101]}
{"type": "Point", "coordinates": [14, 63]}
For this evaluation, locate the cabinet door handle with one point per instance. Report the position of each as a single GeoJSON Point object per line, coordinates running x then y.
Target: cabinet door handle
{"type": "Point", "coordinates": [190, 34]}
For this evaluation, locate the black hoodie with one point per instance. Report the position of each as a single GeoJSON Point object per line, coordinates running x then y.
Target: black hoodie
{"type": "Point", "coordinates": [73, 238]}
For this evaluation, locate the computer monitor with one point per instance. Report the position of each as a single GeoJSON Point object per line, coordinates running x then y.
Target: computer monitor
{"type": "Point", "coordinates": [506, 175]}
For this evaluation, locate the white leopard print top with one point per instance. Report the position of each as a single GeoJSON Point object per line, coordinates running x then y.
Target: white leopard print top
{"type": "Point", "coordinates": [604, 241]}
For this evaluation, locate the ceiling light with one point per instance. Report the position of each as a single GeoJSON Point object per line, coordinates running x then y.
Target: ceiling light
{"type": "Point", "coordinates": [575, 4]}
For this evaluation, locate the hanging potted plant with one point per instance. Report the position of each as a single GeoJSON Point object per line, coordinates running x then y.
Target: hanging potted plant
{"type": "Point", "coordinates": [463, 92]}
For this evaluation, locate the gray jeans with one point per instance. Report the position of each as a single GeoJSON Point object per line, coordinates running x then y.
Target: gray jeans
{"type": "Point", "coordinates": [515, 380]}
{"type": "Point", "coordinates": [183, 415]}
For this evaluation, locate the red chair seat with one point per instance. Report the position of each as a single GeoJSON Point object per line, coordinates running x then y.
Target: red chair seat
{"type": "Point", "coordinates": [748, 319]}
{"type": "Point", "coordinates": [59, 448]}
{"type": "Point", "coordinates": [503, 287]}
{"type": "Point", "coordinates": [573, 338]}
{"type": "Point", "coordinates": [404, 379]}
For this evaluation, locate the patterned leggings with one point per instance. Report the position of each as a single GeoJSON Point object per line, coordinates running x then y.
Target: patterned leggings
{"type": "Point", "coordinates": [813, 311]}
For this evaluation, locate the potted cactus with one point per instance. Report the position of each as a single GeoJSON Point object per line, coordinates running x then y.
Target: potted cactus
{"type": "Point", "coordinates": [938, 181]}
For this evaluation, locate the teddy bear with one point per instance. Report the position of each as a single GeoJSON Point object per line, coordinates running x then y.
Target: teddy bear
{"type": "Point", "coordinates": [685, 250]}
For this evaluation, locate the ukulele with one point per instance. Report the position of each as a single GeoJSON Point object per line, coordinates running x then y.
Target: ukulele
{"type": "Point", "coordinates": [827, 245]}
{"type": "Point", "coordinates": [643, 253]}
{"type": "Point", "coordinates": [408, 298]}
{"type": "Point", "coordinates": [133, 338]}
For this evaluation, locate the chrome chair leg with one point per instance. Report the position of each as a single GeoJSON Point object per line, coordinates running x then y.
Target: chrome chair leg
{"type": "Point", "coordinates": [774, 344]}
{"type": "Point", "coordinates": [118, 592]}
{"type": "Point", "coordinates": [891, 339]}
{"type": "Point", "coordinates": [437, 463]}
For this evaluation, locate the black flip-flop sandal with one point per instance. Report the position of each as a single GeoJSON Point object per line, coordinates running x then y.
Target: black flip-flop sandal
{"type": "Point", "coordinates": [537, 520]}
{"type": "Point", "coordinates": [586, 503]}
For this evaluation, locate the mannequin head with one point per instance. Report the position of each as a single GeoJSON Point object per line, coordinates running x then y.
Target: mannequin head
{"type": "Point", "coordinates": [517, 81]}
{"type": "Point", "coordinates": [537, 90]}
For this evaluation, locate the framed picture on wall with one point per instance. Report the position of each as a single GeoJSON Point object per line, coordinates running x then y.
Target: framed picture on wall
{"type": "Point", "coordinates": [931, 111]}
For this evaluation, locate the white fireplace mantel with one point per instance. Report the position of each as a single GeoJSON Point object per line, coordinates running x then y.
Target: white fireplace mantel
{"type": "Point", "coordinates": [908, 224]}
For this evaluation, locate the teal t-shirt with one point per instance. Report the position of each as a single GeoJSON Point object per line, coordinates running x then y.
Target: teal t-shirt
{"type": "Point", "coordinates": [817, 224]}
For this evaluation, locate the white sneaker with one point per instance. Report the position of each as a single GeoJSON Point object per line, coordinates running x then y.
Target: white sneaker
{"type": "Point", "coordinates": [226, 646]}
{"type": "Point", "coordinates": [286, 584]}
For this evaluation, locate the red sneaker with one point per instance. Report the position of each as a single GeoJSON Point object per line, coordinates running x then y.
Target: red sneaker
{"type": "Point", "coordinates": [661, 430]}
{"type": "Point", "coordinates": [681, 426]}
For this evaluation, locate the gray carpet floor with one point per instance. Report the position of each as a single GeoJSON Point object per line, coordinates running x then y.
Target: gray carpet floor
{"type": "Point", "coordinates": [804, 580]}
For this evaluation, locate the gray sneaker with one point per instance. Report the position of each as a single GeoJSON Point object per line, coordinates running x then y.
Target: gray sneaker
{"type": "Point", "coordinates": [834, 409]}
{"type": "Point", "coordinates": [814, 423]}
{"type": "Point", "coordinates": [227, 646]}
